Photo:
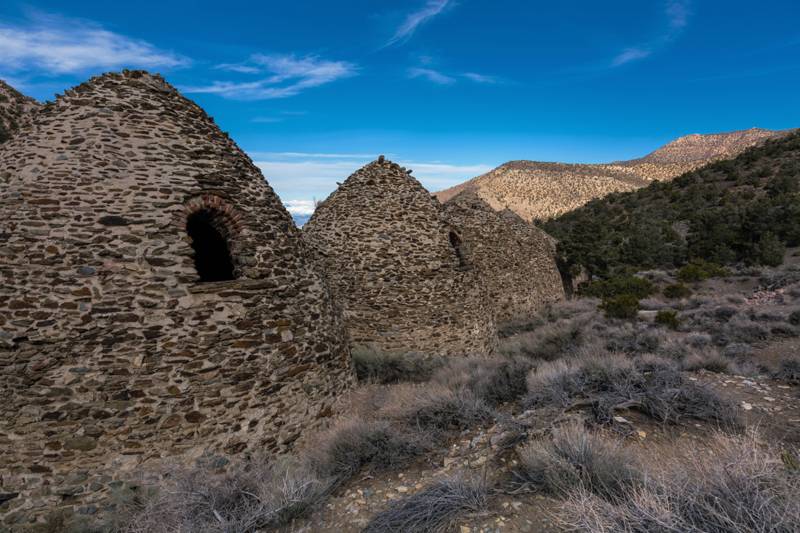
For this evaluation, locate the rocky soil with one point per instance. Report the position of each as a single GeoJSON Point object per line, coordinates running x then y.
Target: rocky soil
{"type": "Point", "coordinates": [770, 405]}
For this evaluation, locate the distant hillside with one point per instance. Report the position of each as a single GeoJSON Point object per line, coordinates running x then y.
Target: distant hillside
{"type": "Point", "coordinates": [745, 209]}
{"type": "Point", "coordinates": [537, 190]}
{"type": "Point", "coordinates": [15, 110]}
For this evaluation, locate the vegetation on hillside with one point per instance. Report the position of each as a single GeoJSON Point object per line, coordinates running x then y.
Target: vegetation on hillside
{"type": "Point", "coordinates": [742, 210]}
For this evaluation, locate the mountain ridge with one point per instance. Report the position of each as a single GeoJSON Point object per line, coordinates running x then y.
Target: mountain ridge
{"type": "Point", "coordinates": [543, 190]}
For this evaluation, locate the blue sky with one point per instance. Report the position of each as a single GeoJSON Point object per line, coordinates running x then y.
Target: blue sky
{"type": "Point", "coordinates": [314, 89]}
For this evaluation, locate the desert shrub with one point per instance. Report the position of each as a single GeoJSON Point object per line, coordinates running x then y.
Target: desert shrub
{"type": "Point", "coordinates": [724, 312]}
{"type": "Point", "coordinates": [710, 360]}
{"type": "Point", "coordinates": [656, 276]}
{"type": "Point", "coordinates": [255, 495]}
{"type": "Point", "coordinates": [782, 330]}
{"type": "Point", "coordinates": [609, 383]}
{"type": "Point", "coordinates": [737, 350]}
{"type": "Point", "coordinates": [765, 316]}
{"type": "Point", "coordinates": [769, 250]}
{"type": "Point", "coordinates": [378, 367]}
{"type": "Point", "coordinates": [561, 382]}
{"type": "Point", "coordinates": [625, 306]}
{"type": "Point", "coordinates": [652, 304]}
{"type": "Point", "coordinates": [433, 509]}
{"type": "Point", "coordinates": [738, 486]}
{"type": "Point", "coordinates": [794, 318]}
{"type": "Point", "coordinates": [668, 318]}
{"type": "Point", "coordinates": [574, 458]}
{"type": "Point", "coordinates": [515, 327]}
{"type": "Point", "coordinates": [354, 444]}
{"type": "Point", "coordinates": [627, 337]}
{"type": "Point", "coordinates": [788, 369]}
{"type": "Point", "coordinates": [617, 286]}
{"type": "Point", "coordinates": [699, 270]}
{"type": "Point", "coordinates": [741, 330]}
{"type": "Point", "coordinates": [493, 381]}
{"type": "Point", "coordinates": [699, 340]}
{"type": "Point", "coordinates": [677, 291]}
{"type": "Point", "coordinates": [548, 342]}
{"type": "Point", "coordinates": [436, 410]}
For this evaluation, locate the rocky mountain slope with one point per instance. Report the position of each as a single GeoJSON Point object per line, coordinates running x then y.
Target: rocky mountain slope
{"type": "Point", "coordinates": [15, 110]}
{"type": "Point", "coordinates": [536, 190]}
{"type": "Point", "coordinates": [744, 209]}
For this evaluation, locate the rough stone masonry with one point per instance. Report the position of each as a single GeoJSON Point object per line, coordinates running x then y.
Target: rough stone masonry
{"type": "Point", "coordinates": [516, 259]}
{"type": "Point", "coordinates": [113, 348]}
{"type": "Point", "coordinates": [16, 111]}
{"type": "Point", "coordinates": [398, 269]}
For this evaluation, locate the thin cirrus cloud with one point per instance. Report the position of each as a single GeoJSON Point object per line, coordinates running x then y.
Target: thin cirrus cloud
{"type": "Point", "coordinates": [481, 78]}
{"type": "Point", "coordinates": [49, 44]}
{"type": "Point", "coordinates": [440, 78]}
{"type": "Point", "coordinates": [282, 76]}
{"type": "Point", "coordinates": [677, 13]}
{"type": "Point", "coordinates": [630, 54]}
{"type": "Point", "coordinates": [414, 20]}
{"type": "Point", "coordinates": [431, 75]}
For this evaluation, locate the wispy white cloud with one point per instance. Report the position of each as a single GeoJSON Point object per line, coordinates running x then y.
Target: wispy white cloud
{"type": "Point", "coordinates": [431, 75]}
{"type": "Point", "coordinates": [238, 67]}
{"type": "Point", "coordinates": [441, 78]}
{"type": "Point", "coordinates": [677, 13]}
{"type": "Point", "coordinates": [49, 44]}
{"type": "Point", "coordinates": [286, 75]}
{"type": "Point", "coordinates": [416, 19]}
{"type": "Point", "coordinates": [630, 54]}
{"type": "Point", "coordinates": [481, 78]}
{"type": "Point", "coordinates": [267, 120]}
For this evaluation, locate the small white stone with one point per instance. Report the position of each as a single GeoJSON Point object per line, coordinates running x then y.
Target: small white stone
{"type": "Point", "coordinates": [746, 406]}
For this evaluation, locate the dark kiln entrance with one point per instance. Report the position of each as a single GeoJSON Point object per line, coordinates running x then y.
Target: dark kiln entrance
{"type": "Point", "coordinates": [212, 255]}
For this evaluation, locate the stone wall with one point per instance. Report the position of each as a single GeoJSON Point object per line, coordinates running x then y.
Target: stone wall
{"type": "Point", "coordinates": [516, 259]}
{"type": "Point", "coordinates": [397, 267]}
{"type": "Point", "coordinates": [111, 351]}
{"type": "Point", "coordinates": [16, 110]}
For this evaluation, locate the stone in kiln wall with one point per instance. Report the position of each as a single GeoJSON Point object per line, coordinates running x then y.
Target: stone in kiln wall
{"type": "Point", "coordinates": [388, 254]}
{"type": "Point", "coordinates": [516, 259]}
{"type": "Point", "coordinates": [113, 353]}
{"type": "Point", "coordinates": [16, 111]}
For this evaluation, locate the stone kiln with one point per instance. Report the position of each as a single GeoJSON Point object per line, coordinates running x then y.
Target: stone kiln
{"type": "Point", "coordinates": [156, 298]}
{"type": "Point", "coordinates": [16, 110]}
{"type": "Point", "coordinates": [516, 259]}
{"type": "Point", "coordinates": [398, 269]}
